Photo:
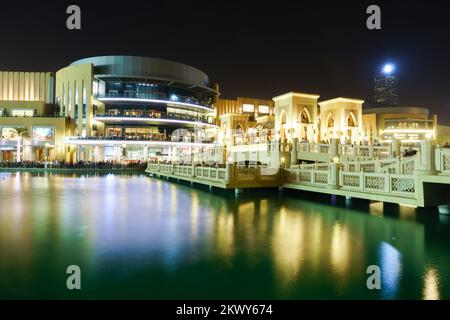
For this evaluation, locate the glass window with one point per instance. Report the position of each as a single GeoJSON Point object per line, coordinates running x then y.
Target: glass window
{"type": "Point", "coordinates": [22, 113]}
{"type": "Point", "coordinates": [263, 109]}
{"type": "Point", "coordinates": [246, 107]}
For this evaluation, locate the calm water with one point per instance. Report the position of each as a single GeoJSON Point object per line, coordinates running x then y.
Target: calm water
{"type": "Point", "coordinates": [139, 237]}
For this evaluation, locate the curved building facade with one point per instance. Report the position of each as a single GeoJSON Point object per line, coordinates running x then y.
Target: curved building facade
{"type": "Point", "coordinates": [126, 107]}
{"type": "Point", "coordinates": [407, 124]}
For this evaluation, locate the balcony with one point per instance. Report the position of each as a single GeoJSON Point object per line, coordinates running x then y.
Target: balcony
{"type": "Point", "coordinates": [155, 97]}
{"type": "Point", "coordinates": [153, 119]}
{"type": "Point", "coordinates": [134, 140]}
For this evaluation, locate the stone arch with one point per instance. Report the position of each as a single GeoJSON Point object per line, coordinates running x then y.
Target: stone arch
{"type": "Point", "coordinates": [283, 121]}
{"type": "Point", "coordinates": [239, 134]}
{"type": "Point", "coordinates": [330, 121]}
{"type": "Point", "coordinates": [283, 117]}
{"type": "Point", "coordinates": [351, 120]}
{"type": "Point", "coordinates": [305, 116]}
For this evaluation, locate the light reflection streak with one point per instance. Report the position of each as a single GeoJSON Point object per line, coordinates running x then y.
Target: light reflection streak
{"type": "Point", "coordinates": [391, 267]}
{"type": "Point", "coordinates": [431, 284]}
{"type": "Point", "coordinates": [288, 246]}
{"type": "Point", "coordinates": [340, 250]}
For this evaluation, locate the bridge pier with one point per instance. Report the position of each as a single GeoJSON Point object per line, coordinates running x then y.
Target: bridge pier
{"type": "Point", "coordinates": [390, 209]}
{"type": "Point", "coordinates": [238, 191]}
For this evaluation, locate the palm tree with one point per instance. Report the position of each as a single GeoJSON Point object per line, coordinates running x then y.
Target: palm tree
{"type": "Point", "coordinates": [21, 133]}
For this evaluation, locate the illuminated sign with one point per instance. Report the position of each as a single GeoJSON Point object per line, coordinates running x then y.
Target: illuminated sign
{"type": "Point", "coordinates": [263, 109]}
{"type": "Point", "coordinates": [9, 134]}
{"type": "Point", "coordinates": [43, 134]}
{"type": "Point", "coordinates": [246, 107]}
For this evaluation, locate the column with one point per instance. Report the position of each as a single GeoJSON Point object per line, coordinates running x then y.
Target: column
{"type": "Point", "coordinates": [229, 172]}
{"type": "Point", "coordinates": [294, 151]}
{"type": "Point", "coordinates": [334, 147]}
{"type": "Point", "coordinates": [427, 163]}
{"type": "Point", "coordinates": [395, 147]}
{"type": "Point", "coordinates": [145, 155]}
{"type": "Point", "coordinates": [78, 158]}
{"type": "Point", "coordinates": [333, 176]}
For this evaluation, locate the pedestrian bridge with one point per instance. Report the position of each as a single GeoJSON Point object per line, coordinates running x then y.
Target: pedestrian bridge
{"type": "Point", "coordinates": [364, 172]}
{"type": "Point", "coordinates": [229, 177]}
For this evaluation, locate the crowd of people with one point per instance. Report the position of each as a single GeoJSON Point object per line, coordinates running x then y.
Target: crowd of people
{"type": "Point", "coordinates": [89, 165]}
{"type": "Point", "coordinates": [409, 152]}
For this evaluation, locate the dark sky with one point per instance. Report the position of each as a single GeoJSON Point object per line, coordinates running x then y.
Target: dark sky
{"type": "Point", "coordinates": [252, 48]}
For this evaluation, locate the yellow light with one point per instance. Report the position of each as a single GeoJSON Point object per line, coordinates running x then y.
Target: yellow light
{"type": "Point", "coordinates": [431, 284]}
{"type": "Point", "coordinates": [282, 159]}
{"type": "Point", "coordinates": [408, 131]}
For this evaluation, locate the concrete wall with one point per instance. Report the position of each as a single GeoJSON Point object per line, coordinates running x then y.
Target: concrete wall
{"type": "Point", "coordinates": [26, 86]}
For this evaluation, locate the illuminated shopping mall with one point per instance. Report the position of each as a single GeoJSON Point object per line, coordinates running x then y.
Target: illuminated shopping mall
{"type": "Point", "coordinates": [124, 108]}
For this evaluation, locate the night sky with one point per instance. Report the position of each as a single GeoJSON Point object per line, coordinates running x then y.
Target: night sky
{"type": "Point", "coordinates": [257, 49]}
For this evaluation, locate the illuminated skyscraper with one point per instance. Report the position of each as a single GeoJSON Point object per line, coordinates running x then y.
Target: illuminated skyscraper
{"type": "Point", "coordinates": [386, 86]}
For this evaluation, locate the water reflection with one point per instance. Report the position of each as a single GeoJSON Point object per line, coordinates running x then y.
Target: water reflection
{"type": "Point", "coordinates": [137, 237]}
{"type": "Point", "coordinates": [391, 267]}
{"type": "Point", "coordinates": [288, 245]}
{"type": "Point", "coordinates": [431, 284]}
{"type": "Point", "coordinates": [340, 250]}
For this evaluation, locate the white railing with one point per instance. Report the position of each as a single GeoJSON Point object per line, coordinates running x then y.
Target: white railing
{"type": "Point", "coordinates": [393, 165]}
{"type": "Point", "coordinates": [314, 166]}
{"type": "Point", "coordinates": [208, 173]}
{"type": "Point", "coordinates": [308, 176]}
{"type": "Point", "coordinates": [366, 151]}
{"type": "Point", "coordinates": [364, 177]}
{"type": "Point", "coordinates": [399, 184]}
{"type": "Point", "coordinates": [443, 160]}
{"type": "Point", "coordinates": [313, 147]}
{"type": "Point", "coordinates": [229, 174]}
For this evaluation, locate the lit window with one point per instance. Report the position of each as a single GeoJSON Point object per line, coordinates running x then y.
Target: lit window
{"type": "Point", "coordinates": [263, 109]}
{"type": "Point", "coordinates": [22, 113]}
{"type": "Point", "coordinates": [246, 107]}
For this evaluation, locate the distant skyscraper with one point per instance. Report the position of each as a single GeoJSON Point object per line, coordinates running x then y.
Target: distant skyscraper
{"type": "Point", "coordinates": [386, 86]}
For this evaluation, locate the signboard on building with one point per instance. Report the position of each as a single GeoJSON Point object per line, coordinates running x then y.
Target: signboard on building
{"type": "Point", "coordinates": [9, 134]}
{"type": "Point", "coordinates": [43, 134]}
